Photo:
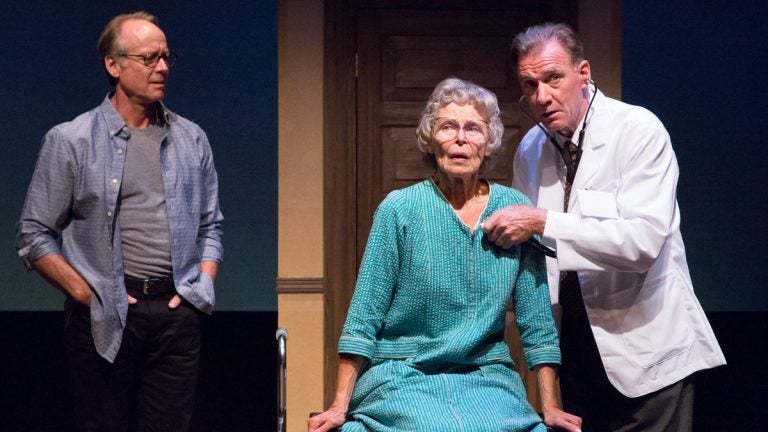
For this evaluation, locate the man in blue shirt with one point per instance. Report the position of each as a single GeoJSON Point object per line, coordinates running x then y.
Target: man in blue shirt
{"type": "Point", "coordinates": [122, 216]}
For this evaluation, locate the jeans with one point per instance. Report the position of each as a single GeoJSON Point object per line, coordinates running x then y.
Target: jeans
{"type": "Point", "coordinates": [151, 384]}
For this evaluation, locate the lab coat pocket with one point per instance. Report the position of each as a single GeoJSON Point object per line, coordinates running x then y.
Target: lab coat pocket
{"type": "Point", "coordinates": [598, 204]}
{"type": "Point", "coordinates": [651, 327]}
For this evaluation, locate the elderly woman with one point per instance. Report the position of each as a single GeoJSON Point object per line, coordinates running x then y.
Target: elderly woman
{"type": "Point", "coordinates": [423, 345]}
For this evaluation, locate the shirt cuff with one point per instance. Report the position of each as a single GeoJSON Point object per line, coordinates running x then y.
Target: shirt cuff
{"type": "Point", "coordinates": [357, 346]}
{"type": "Point", "coordinates": [543, 355]}
{"type": "Point", "coordinates": [201, 294]}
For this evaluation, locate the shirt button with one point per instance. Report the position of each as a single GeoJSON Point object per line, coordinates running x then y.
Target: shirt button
{"type": "Point", "coordinates": [119, 151]}
{"type": "Point", "coordinates": [109, 213]}
{"type": "Point", "coordinates": [114, 181]}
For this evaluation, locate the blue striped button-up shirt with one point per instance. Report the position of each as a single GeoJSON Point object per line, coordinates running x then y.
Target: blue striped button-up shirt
{"type": "Point", "coordinates": [72, 203]}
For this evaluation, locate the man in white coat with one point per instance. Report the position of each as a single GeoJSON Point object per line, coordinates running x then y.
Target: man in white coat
{"type": "Point", "coordinates": [632, 330]}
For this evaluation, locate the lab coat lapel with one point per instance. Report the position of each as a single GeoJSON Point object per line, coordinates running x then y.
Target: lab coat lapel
{"type": "Point", "coordinates": [550, 186]}
{"type": "Point", "coordinates": [594, 148]}
{"type": "Point", "coordinates": [591, 159]}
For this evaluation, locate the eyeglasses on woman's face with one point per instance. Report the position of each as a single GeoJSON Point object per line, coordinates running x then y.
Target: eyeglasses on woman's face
{"type": "Point", "coordinates": [447, 129]}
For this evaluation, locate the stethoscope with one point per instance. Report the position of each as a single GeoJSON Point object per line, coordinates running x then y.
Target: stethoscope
{"type": "Point", "coordinates": [570, 164]}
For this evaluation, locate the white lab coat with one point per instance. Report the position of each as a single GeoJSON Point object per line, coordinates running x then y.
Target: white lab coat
{"type": "Point", "coordinates": [622, 236]}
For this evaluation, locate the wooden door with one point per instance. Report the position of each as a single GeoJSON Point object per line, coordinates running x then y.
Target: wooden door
{"type": "Point", "coordinates": [401, 53]}
{"type": "Point", "coordinates": [401, 57]}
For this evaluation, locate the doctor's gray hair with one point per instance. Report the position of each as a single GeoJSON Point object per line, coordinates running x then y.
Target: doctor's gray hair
{"type": "Point", "coordinates": [461, 92]}
{"type": "Point", "coordinates": [533, 39]}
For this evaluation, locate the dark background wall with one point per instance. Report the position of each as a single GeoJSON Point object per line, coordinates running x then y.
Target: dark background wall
{"type": "Point", "coordinates": [226, 81]}
{"type": "Point", "coordinates": [696, 65]}
{"type": "Point", "coordinates": [700, 67]}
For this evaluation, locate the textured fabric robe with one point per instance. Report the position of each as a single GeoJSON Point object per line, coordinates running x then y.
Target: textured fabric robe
{"type": "Point", "coordinates": [429, 313]}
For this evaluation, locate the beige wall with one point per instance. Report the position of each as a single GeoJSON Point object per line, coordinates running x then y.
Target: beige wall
{"type": "Point", "coordinates": [600, 31]}
{"type": "Point", "coordinates": [302, 316]}
{"type": "Point", "coordinates": [300, 133]}
{"type": "Point", "coordinates": [300, 178]}
{"type": "Point", "coordinates": [300, 201]}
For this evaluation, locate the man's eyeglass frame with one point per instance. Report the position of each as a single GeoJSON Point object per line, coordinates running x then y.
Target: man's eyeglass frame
{"type": "Point", "coordinates": [151, 60]}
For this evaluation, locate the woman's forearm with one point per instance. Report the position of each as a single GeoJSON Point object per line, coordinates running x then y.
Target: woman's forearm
{"type": "Point", "coordinates": [348, 371]}
{"type": "Point", "coordinates": [547, 380]}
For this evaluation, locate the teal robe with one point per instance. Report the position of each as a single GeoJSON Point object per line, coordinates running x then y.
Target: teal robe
{"type": "Point", "coordinates": [429, 313]}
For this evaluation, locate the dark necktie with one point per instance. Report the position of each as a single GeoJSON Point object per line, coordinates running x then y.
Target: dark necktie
{"type": "Point", "coordinates": [577, 343]}
{"type": "Point", "coordinates": [570, 291]}
{"type": "Point", "coordinates": [573, 152]}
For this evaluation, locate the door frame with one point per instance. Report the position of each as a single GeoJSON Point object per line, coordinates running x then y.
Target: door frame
{"type": "Point", "coordinates": [339, 173]}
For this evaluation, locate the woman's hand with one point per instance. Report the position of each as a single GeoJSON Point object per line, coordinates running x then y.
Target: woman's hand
{"type": "Point", "coordinates": [554, 417]}
{"type": "Point", "coordinates": [346, 377]}
{"type": "Point", "coordinates": [326, 421]}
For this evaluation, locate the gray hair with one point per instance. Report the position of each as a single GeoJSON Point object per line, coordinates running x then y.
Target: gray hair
{"type": "Point", "coordinates": [455, 90]}
{"type": "Point", "coordinates": [533, 39]}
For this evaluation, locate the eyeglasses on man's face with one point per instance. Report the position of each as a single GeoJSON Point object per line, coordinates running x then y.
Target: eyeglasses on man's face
{"type": "Point", "coordinates": [151, 60]}
{"type": "Point", "coordinates": [447, 129]}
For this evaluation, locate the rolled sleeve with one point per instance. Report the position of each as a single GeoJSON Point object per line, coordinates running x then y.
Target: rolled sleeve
{"type": "Point", "coordinates": [357, 346]}
{"type": "Point", "coordinates": [211, 247]}
{"type": "Point", "coordinates": [543, 355]}
{"type": "Point", "coordinates": [40, 247]}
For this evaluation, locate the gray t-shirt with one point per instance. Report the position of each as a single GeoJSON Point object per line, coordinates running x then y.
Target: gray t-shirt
{"type": "Point", "coordinates": [143, 218]}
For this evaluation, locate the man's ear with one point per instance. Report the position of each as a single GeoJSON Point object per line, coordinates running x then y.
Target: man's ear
{"type": "Point", "coordinates": [585, 72]}
{"type": "Point", "coordinates": [113, 68]}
